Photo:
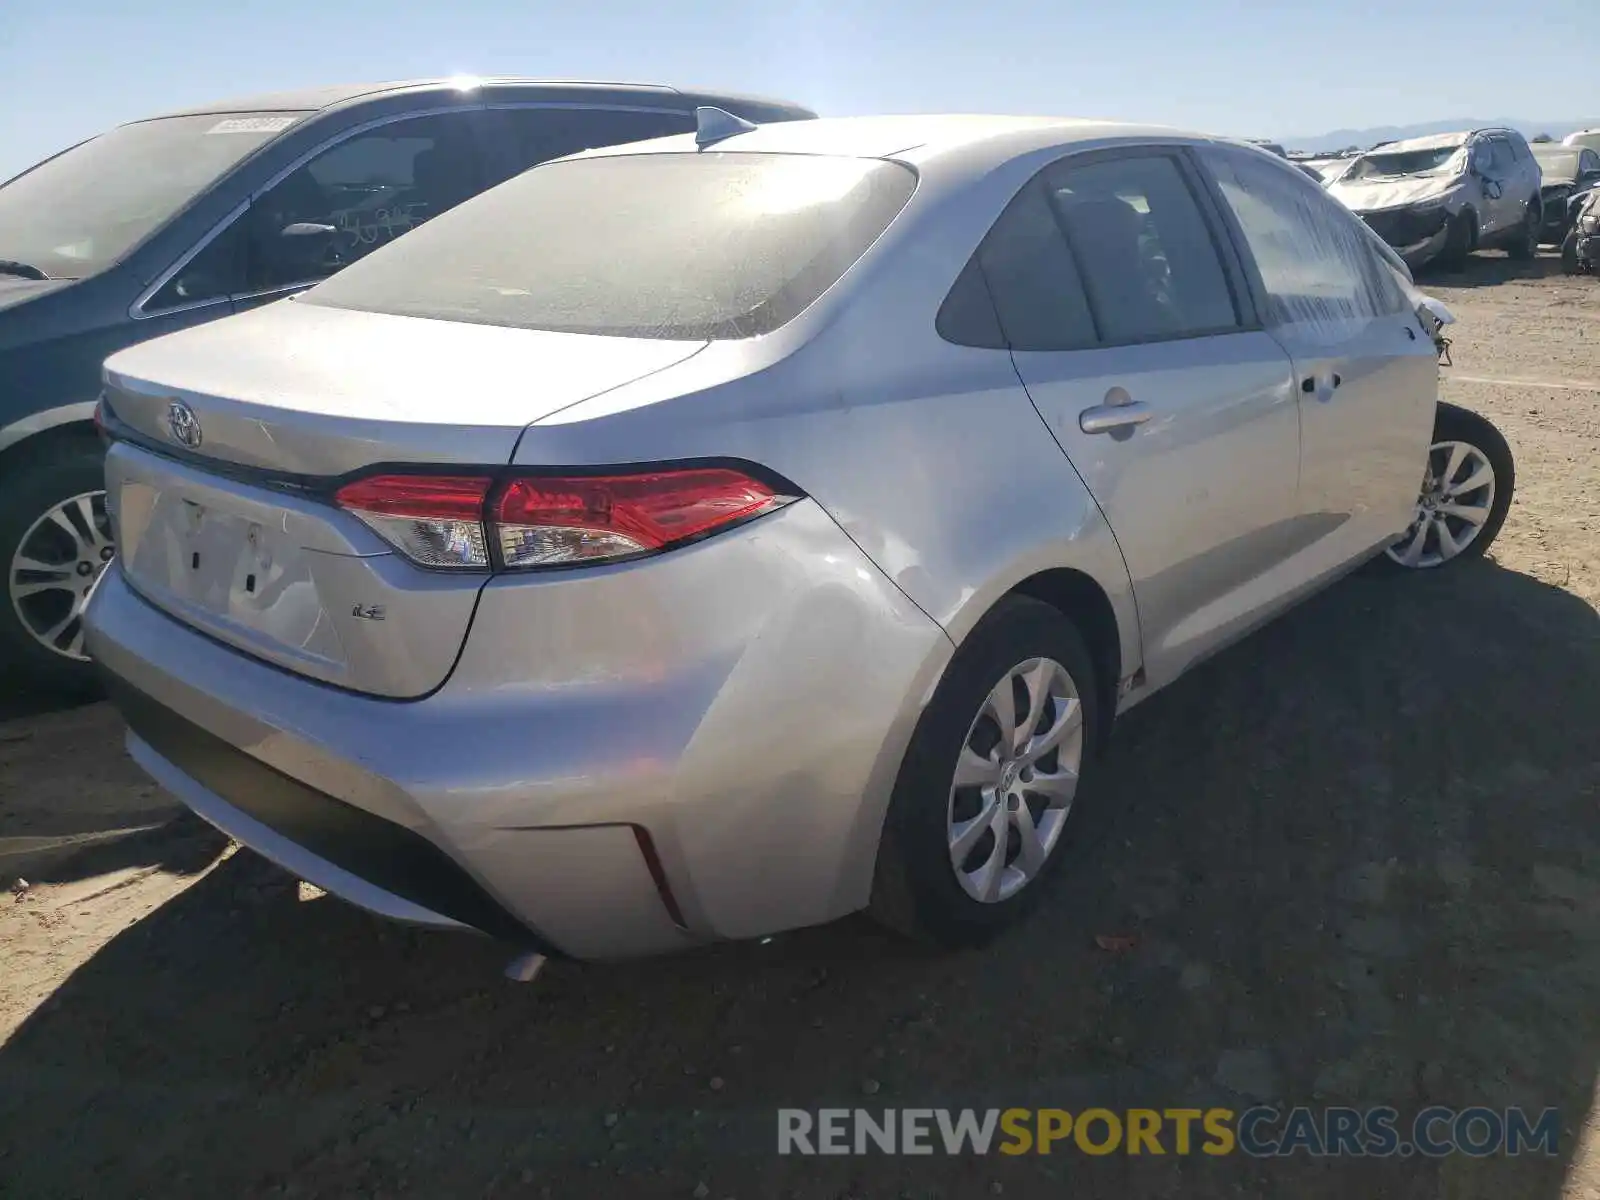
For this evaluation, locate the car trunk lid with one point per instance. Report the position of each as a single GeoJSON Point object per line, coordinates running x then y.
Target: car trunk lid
{"type": "Point", "coordinates": [232, 438]}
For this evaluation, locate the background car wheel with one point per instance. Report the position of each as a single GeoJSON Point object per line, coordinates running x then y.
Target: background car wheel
{"type": "Point", "coordinates": [55, 541]}
{"type": "Point", "coordinates": [1569, 253]}
{"type": "Point", "coordinates": [1524, 244]}
{"type": "Point", "coordinates": [1459, 239]}
{"type": "Point", "coordinates": [1466, 492]}
{"type": "Point", "coordinates": [981, 809]}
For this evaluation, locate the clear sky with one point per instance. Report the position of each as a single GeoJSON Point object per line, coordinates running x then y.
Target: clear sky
{"type": "Point", "coordinates": [70, 68]}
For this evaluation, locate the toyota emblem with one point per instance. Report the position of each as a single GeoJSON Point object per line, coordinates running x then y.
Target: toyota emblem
{"type": "Point", "coordinates": [185, 426]}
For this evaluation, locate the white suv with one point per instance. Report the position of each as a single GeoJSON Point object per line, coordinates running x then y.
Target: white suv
{"type": "Point", "coordinates": [1443, 196]}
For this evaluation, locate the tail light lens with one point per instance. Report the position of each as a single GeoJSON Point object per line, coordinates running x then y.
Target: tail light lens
{"type": "Point", "coordinates": [554, 521]}
{"type": "Point", "coordinates": [434, 520]}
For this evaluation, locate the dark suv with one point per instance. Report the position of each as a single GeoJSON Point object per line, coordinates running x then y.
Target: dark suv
{"type": "Point", "coordinates": [179, 219]}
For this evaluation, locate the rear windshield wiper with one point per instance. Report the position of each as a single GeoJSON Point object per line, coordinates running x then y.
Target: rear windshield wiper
{"type": "Point", "coordinates": [10, 266]}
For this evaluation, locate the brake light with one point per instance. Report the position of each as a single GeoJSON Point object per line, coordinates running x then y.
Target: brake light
{"type": "Point", "coordinates": [535, 521]}
{"type": "Point", "coordinates": [434, 520]}
{"type": "Point", "coordinates": [556, 521]}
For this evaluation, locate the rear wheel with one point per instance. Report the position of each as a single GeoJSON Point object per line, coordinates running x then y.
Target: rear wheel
{"type": "Point", "coordinates": [55, 540]}
{"type": "Point", "coordinates": [1466, 492]}
{"type": "Point", "coordinates": [980, 812]}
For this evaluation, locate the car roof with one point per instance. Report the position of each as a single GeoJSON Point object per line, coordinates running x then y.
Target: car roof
{"type": "Point", "coordinates": [313, 99]}
{"type": "Point", "coordinates": [891, 136]}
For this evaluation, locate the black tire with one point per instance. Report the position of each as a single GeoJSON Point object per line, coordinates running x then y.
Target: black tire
{"type": "Point", "coordinates": [30, 490]}
{"type": "Point", "coordinates": [1458, 240]}
{"type": "Point", "coordinates": [915, 889]}
{"type": "Point", "coordinates": [1455, 424]}
{"type": "Point", "coordinates": [1569, 254]}
{"type": "Point", "coordinates": [1524, 243]}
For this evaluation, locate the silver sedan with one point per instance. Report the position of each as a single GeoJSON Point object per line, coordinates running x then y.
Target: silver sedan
{"type": "Point", "coordinates": [709, 537]}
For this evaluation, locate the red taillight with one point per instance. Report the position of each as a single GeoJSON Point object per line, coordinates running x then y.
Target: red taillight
{"type": "Point", "coordinates": [544, 521]}
{"type": "Point", "coordinates": [552, 521]}
{"type": "Point", "coordinates": [435, 520]}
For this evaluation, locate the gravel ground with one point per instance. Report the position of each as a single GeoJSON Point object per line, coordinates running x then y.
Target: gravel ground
{"type": "Point", "coordinates": [1359, 853]}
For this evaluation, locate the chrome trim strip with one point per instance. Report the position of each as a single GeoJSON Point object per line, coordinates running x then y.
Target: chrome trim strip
{"type": "Point", "coordinates": [38, 422]}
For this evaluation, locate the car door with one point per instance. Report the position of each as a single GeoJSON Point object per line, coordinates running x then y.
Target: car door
{"type": "Point", "coordinates": [1367, 374]}
{"type": "Point", "coordinates": [1503, 193]}
{"type": "Point", "coordinates": [525, 135]}
{"type": "Point", "coordinates": [1138, 350]}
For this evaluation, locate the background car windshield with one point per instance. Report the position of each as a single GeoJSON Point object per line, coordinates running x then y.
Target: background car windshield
{"type": "Point", "coordinates": [81, 211]}
{"type": "Point", "coordinates": [709, 245]}
{"type": "Point", "coordinates": [1409, 162]}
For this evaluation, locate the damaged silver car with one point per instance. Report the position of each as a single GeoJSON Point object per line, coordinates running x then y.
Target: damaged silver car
{"type": "Point", "coordinates": [1441, 197]}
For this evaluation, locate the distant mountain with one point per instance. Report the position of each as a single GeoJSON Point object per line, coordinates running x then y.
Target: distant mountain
{"type": "Point", "coordinates": [1340, 138]}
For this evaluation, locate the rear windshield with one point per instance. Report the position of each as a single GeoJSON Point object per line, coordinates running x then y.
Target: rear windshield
{"type": "Point", "coordinates": [694, 246]}
{"type": "Point", "coordinates": [1557, 164]}
{"type": "Point", "coordinates": [81, 211]}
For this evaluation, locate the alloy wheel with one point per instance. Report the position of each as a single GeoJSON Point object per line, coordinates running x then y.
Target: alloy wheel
{"type": "Point", "coordinates": [1457, 498]}
{"type": "Point", "coordinates": [54, 570]}
{"type": "Point", "coordinates": [1015, 780]}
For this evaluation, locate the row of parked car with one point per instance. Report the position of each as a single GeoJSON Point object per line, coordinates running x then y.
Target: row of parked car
{"type": "Point", "coordinates": [1441, 197]}
{"type": "Point", "coordinates": [699, 537]}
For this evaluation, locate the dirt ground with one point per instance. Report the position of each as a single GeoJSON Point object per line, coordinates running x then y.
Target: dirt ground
{"type": "Point", "coordinates": [1360, 853]}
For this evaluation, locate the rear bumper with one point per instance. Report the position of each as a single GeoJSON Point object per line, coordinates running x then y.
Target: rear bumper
{"type": "Point", "coordinates": [623, 762]}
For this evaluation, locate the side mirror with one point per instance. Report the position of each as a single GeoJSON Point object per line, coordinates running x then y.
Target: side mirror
{"type": "Point", "coordinates": [1436, 309]}
{"type": "Point", "coordinates": [1491, 188]}
{"type": "Point", "coordinates": [307, 229]}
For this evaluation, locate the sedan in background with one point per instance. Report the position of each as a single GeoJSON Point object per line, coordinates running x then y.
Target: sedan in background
{"type": "Point", "coordinates": [177, 220]}
{"type": "Point", "coordinates": [718, 535]}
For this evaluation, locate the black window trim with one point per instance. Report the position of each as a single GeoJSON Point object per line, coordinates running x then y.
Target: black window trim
{"type": "Point", "coordinates": [1246, 303]}
{"type": "Point", "coordinates": [1241, 245]}
{"type": "Point", "coordinates": [497, 141]}
{"type": "Point", "coordinates": [137, 309]}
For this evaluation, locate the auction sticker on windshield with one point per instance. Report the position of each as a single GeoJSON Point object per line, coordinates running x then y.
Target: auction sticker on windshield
{"type": "Point", "coordinates": [252, 125]}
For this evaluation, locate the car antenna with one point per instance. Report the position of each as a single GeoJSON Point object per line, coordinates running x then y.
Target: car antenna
{"type": "Point", "coordinates": [715, 124]}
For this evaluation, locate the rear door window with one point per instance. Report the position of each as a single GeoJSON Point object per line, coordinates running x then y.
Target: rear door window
{"type": "Point", "coordinates": [357, 195]}
{"type": "Point", "coordinates": [1149, 261]}
{"type": "Point", "coordinates": [1038, 298]}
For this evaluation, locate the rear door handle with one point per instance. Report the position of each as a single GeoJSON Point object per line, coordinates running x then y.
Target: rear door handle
{"type": "Point", "coordinates": [1106, 418]}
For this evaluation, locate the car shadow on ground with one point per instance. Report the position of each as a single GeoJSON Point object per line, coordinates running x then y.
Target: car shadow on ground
{"type": "Point", "coordinates": [72, 805]}
{"type": "Point", "coordinates": [1357, 856]}
{"type": "Point", "coordinates": [1491, 269]}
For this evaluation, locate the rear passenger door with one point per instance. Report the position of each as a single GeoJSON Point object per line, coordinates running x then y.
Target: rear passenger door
{"type": "Point", "coordinates": [1367, 373]}
{"type": "Point", "coordinates": [1130, 327]}
{"type": "Point", "coordinates": [524, 136]}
